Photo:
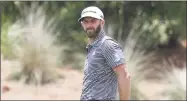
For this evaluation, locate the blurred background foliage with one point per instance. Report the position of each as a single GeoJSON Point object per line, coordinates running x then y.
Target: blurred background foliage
{"type": "Point", "coordinates": [157, 22]}
{"type": "Point", "coordinates": [158, 27]}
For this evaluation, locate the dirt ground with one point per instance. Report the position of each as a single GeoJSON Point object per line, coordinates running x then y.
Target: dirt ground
{"type": "Point", "coordinates": [68, 88]}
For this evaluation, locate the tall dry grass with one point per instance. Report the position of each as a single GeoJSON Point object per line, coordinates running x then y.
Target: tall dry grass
{"type": "Point", "coordinates": [174, 80]}
{"type": "Point", "coordinates": [176, 85]}
{"type": "Point", "coordinates": [38, 55]}
{"type": "Point", "coordinates": [35, 46]}
{"type": "Point", "coordinates": [135, 58]}
{"type": "Point", "coordinates": [140, 65]}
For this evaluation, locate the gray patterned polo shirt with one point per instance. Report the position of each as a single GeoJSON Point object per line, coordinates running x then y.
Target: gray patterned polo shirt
{"type": "Point", "coordinates": [100, 81]}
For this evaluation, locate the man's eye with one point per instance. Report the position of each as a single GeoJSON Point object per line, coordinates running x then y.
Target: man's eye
{"type": "Point", "coordinates": [85, 21]}
{"type": "Point", "coordinates": [93, 20]}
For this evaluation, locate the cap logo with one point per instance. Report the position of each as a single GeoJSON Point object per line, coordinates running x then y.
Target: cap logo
{"type": "Point", "coordinates": [89, 11]}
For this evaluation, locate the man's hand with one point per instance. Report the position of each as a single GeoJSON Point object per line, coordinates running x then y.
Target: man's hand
{"type": "Point", "coordinates": [123, 82]}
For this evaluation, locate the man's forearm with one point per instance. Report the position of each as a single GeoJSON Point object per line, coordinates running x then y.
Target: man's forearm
{"type": "Point", "coordinates": [124, 87]}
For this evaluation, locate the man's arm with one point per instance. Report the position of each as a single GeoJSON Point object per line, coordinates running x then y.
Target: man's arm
{"type": "Point", "coordinates": [123, 82]}
{"type": "Point", "coordinates": [114, 56]}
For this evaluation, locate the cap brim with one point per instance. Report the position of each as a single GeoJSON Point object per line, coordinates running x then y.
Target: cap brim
{"type": "Point", "coordinates": [90, 14]}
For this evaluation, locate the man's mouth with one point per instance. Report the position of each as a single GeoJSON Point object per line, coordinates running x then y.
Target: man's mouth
{"type": "Point", "coordinates": [89, 29]}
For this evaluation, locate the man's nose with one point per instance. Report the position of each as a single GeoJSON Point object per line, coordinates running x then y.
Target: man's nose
{"type": "Point", "coordinates": [89, 25]}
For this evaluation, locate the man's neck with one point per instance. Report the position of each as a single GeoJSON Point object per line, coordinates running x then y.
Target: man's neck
{"type": "Point", "coordinates": [91, 40]}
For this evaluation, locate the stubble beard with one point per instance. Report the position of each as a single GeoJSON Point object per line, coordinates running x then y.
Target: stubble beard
{"type": "Point", "coordinates": [91, 33]}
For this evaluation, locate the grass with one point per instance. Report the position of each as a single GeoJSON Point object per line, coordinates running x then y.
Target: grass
{"type": "Point", "coordinates": [176, 81]}
{"type": "Point", "coordinates": [6, 44]}
{"type": "Point", "coordinates": [139, 64]}
{"type": "Point", "coordinates": [35, 47]}
{"type": "Point", "coordinates": [135, 58]}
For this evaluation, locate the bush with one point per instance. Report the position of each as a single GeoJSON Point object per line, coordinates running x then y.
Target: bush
{"type": "Point", "coordinates": [176, 81]}
{"type": "Point", "coordinates": [6, 44]}
{"type": "Point", "coordinates": [35, 47]}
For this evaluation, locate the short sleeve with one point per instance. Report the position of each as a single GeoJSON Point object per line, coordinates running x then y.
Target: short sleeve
{"type": "Point", "coordinates": [113, 53]}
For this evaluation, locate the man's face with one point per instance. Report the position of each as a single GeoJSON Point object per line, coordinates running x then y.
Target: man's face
{"type": "Point", "coordinates": [92, 26]}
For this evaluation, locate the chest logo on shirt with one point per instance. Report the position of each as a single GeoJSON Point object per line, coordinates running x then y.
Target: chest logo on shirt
{"type": "Point", "coordinates": [93, 53]}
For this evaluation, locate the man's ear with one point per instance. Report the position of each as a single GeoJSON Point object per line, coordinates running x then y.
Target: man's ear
{"type": "Point", "coordinates": [81, 25]}
{"type": "Point", "coordinates": [103, 22]}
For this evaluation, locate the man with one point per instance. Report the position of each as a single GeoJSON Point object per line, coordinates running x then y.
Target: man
{"type": "Point", "coordinates": [104, 69]}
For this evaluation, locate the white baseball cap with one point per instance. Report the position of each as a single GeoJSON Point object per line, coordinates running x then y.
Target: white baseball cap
{"type": "Point", "coordinates": [92, 11]}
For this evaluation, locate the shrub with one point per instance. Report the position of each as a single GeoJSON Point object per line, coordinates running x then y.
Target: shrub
{"type": "Point", "coordinates": [35, 47]}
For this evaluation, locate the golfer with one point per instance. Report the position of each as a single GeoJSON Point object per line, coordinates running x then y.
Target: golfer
{"type": "Point", "coordinates": [105, 71]}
